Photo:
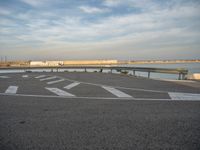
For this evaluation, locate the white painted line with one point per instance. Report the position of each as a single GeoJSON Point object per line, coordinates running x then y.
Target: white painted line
{"type": "Point", "coordinates": [172, 80]}
{"type": "Point", "coordinates": [4, 77]}
{"type": "Point", "coordinates": [116, 92]}
{"type": "Point", "coordinates": [67, 97]}
{"type": "Point", "coordinates": [184, 96]}
{"type": "Point", "coordinates": [71, 85]}
{"type": "Point", "coordinates": [41, 76]}
{"type": "Point", "coordinates": [49, 78]}
{"type": "Point", "coordinates": [93, 98]}
{"type": "Point", "coordinates": [119, 87]}
{"type": "Point", "coordinates": [11, 90]}
{"type": "Point", "coordinates": [59, 92]}
{"type": "Point", "coordinates": [25, 76]}
{"type": "Point", "coordinates": [57, 81]}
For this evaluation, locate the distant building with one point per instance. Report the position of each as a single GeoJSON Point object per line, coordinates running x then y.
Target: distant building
{"type": "Point", "coordinates": [73, 62]}
{"type": "Point", "coordinates": [91, 62]}
{"type": "Point", "coordinates": [46, 63]}
{"type": "Point", "coordinates": [38, 63]}
{"type": "Point", "coordinates": [55, 63]}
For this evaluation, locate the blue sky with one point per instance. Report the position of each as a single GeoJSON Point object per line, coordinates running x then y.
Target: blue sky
{"type": "Point", "coordinates": [99, 29]}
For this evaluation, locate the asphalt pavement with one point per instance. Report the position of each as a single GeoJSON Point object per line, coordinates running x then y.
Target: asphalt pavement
{"type": "Point", "coordinates": [97, 111]}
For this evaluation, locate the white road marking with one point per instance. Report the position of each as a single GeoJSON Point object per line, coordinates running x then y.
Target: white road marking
{"type": "Point", "coordinates": [60, 92]}
{"type": "Point", "coordinates": [4, 77]}
{"type": "Point", "coordinates": [52, 82]}
{"type": "Point", "coordinates": [172, 80]}
{"type": "Point", "coordinates": [92, 98]}
{"type": "Point", "coordinates": [119, 87]}
{"type": "Point", "coordinates": [184, 96]}
{"type": "Point", "coordinates": [116, 92]}
{"type": "Point", "coordinates": [41, 76]}
{"type": "Point", "coordinates": [25, 76]}
{"type": "Point", "coordinates": [49, 78]}
{"type": "Point", "coordinates": [67, 97]}
{"type": "Point", "coordinates": [71, 85]}
{"type": "Point", "coordinates": [11, 90]}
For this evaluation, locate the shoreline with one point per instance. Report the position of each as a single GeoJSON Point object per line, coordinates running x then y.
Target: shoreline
{"type": "Point", "coordinates": [134, 63]}
{"type": "Point", "coordinates": [91, 63]}
{"type": "Point", "coordinates": [170, 62]}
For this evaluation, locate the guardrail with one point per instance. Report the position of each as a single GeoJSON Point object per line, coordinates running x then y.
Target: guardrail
{"type": "Point", "coordinates": [180, 71]}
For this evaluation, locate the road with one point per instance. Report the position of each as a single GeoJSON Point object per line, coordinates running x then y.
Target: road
{"type": "Point", "coordinates": [97, 111]}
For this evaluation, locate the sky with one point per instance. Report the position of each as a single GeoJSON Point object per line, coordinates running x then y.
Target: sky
{"type": "Point", "coordinates": [99, 29]}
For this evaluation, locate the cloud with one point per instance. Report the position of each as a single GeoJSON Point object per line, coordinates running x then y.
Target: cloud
{"type": "Point", "coordinates": [71, 28]}
{"type": "Point", "coordinates": [90, 10]}
{"type": "Point", "coordinates": [34, 3]}
{"type": "Point", "coordinates": [4, 11]}
{"type": "Point", "coordinates": [157, 29]}
{"type": "Point", "coordinates": [130, 3]}
{"type": "Point", "coordinates": [112, 3]}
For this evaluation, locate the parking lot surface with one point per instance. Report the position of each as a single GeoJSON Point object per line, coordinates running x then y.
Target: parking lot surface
{"type": "Point", "coordinates": [76, 110]}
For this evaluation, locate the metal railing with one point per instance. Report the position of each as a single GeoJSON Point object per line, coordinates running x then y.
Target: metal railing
{"type": "Point", "coordinates": [180, 71]}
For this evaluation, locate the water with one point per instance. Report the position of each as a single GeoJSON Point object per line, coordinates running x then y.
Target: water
{"type": "Point", "coordinates": [192, 68]}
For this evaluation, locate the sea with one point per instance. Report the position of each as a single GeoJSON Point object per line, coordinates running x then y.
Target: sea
{"type": "Point", "coordinates": [191, 67]}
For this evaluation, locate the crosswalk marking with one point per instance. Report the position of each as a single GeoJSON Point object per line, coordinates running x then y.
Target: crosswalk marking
{"type": "Point", "coordinates": [71, 85]}
{"type": "Point", "coordinates": [184, 96]}
{"type": "Point", "coordinates": [24, 76]}
{"type": "Point", "coordinates": [60, 92]}
{"type": "Point", "coordinates": [11, 90]}
{"type": "Point", "coordinates": [49, 78]}
{"type": "Point", "coordinates": [4, 77]}
{"type": "Point", "coordinates": [56, 81]}
{"type": "Point", "coordinates": [116, 92]}
{"type": "Point", "coordinates": [41, 76]}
